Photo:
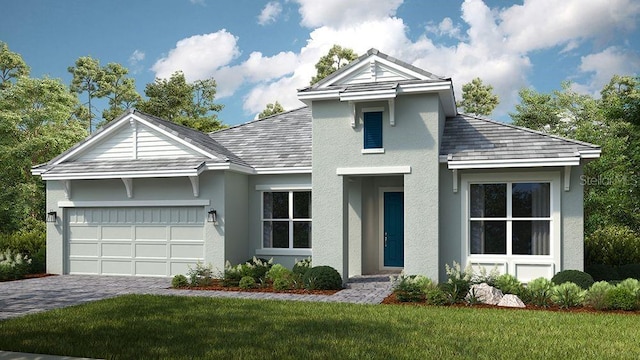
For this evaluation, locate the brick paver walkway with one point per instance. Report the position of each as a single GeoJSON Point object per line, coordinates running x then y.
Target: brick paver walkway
{"type": "Point", "coordinates": [23, 297]}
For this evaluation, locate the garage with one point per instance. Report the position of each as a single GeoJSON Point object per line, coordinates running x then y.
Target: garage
{"type": "Point", "coordinates": [135, 241]}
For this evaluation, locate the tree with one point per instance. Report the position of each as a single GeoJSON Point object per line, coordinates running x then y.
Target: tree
{"type": "Point", "coordinates": [478, 99]}
{"type": "Point", "coordinates": [86, 76]}
{"type": "Point", "coordinates": [12, 66]}
{"type": "Point", "coordinates": [336, 58]}
{"type": "Point", "coordinates": [118, 89]}
{"type": "Point", "coordinates": [271, 109]}
{"type": "Point", "coordinates": [36, 124]}
{"type": "Point", "coordinates": [187, 104]}
{"type": "Point", "coordinates": [612, 182]}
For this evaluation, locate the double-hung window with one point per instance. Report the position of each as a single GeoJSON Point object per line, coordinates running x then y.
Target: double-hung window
{"type": "Point", "coordinates": [510, 218]}
{"type": "Point", "coordinates": [286, 219]}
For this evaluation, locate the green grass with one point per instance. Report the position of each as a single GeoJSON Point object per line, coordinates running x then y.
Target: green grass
{"type": "Point", "coordinates": [146, 326]}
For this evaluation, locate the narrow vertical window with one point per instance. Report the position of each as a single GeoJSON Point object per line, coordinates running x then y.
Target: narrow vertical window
{"type": "Point", "coordinates": [372, 130]}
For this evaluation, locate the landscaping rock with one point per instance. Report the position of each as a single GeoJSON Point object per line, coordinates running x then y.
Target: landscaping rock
{"type": "Point", "coordinates": [511, 300]}
{"type": "Point", "coordinates": [485, 293]}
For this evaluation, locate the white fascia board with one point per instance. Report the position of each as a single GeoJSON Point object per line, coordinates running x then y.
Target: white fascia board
{"type": "Point", "coordinates": [123, 174]}
{"type": "Point", "coordinates": [590, 154]}
{"type": "Point", "coordinates": [289, 170]}
{"type": "Point", "coordinates": [95, 139]}
{"type": "Point", "coordinates": [119, 203]}
{"type": "Point", "coordinates": [231, 167]}
{"type": "Point", "coordinates": [512, 163]}
{"type": "Point", "coordinates": [282, 187]}
{"type": "Point", "coordinates": [424, 87]}
{"type": "Point", "coordinates": [319, 95]}
{"type": "Point", "coordinates": [368, 95]}
{"type": "Point", "coordinates": [374, 170]}
{"type": "Point", "coordinates": [176, 138]}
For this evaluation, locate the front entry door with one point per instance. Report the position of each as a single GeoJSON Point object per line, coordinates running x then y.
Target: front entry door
{"type": "Point", "coordinates": [393, 229]}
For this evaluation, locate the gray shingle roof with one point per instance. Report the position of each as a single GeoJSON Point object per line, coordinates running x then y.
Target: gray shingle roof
{"type": "Point", "coordinates": [126, 166]}
{"type": "Point", "coordinates": [278, 141]}
{"type": "Point", "coordinates": [471, 138]}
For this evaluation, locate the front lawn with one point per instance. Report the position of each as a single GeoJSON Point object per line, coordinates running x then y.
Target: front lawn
{"type": "Point", "coordinates": [147, 326]}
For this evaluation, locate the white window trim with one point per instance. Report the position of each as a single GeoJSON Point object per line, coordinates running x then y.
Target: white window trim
{"type": "Point", "coordinates": [281, 251]}
{"type": "Point", "coordinates": [373, 151]}
{"type": "Point", "coordinates": [512, 262]}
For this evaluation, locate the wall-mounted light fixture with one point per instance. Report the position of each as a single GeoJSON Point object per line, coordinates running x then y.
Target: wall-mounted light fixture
{"type": "Point", "coordinates": [52, 216]}
{"type": "Point", "coordinates": [213, 217]}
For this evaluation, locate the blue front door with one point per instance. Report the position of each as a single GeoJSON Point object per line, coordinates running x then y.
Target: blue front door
{"type": "Point", "coordinates": [394, 229]}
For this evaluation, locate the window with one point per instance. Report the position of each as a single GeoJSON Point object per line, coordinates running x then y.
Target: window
{"type": "Point", "coordinates": [286, 219]}
{"type": "Point", "coordinates": [372, 130]}
{"type": "Point", "coordinates": [512, 218]}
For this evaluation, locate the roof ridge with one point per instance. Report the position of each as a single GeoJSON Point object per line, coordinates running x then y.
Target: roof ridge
{"type": "Point", "coordinates": [256, 120]}
{"type": "Point", "coordinates": [578, 142]}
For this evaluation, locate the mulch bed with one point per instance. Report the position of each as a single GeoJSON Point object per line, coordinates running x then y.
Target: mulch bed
{"type": "Point", "coordinates": [218, 287]}
{"type": "Point", "coordinates": [392, 300]}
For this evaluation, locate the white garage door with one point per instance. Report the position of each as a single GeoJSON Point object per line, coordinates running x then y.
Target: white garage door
{"type": "Point", "coordinates": [156, 241]}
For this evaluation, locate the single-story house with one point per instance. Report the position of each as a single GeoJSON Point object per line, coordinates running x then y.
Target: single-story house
{"type": "Point", "coordinates": [377, 173]}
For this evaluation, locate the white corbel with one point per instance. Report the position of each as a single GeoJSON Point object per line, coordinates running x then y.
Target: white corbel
{"type": "Point", "coordinates": [128, 184]}
{"type": "Point", "coordinates": [455, 181]}
{"type": "Point", "coordinates": [66, 185]}
{"type": "Point", "coordinates": [352, 107]}
{"type": "Point", "coordinates": [567, 178]}
{"type": "Point", "coordinates": [195, 185]}
{"type": "Point", "coordinates": [392, 112]}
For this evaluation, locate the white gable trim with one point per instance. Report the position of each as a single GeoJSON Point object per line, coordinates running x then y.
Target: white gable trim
{"type": "Point", "coordinates": [131, 119]}
{"type": "Point", "coordinates": [371, 62]}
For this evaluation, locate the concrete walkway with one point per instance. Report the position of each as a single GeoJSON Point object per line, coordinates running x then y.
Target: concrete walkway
{"type": "Point", "coordinates": [23, 297]}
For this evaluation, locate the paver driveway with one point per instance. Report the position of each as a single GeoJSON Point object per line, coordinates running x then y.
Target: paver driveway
{"type": "Point", "coordinates": [22, 297]}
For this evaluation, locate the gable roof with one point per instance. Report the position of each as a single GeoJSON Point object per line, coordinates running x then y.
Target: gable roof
{"type": "Point", "coordinates": [473, 142]}
{"type": "Point", "coordinates": [272, 144]}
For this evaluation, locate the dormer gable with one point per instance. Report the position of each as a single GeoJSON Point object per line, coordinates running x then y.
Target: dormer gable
{"type": "Point", "coordinates": [376, 76]}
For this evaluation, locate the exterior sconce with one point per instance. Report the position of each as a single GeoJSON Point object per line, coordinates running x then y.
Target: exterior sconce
{"type": "Point", "coordinates": [212, 217]}
{"type": "Point", "coordinates": [52, 216]}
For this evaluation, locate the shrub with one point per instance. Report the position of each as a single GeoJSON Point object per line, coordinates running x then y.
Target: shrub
{"type": "Point", "coordinates": [412, 288]}
{"type": "Point", "coordinates": [301, 267]}
{"type": "Point", "coordinates": [601, 272]}
{"type": "Point", "coordinates": [201, 275]}
{"type": "Point", "coordinates": [633, 285]}
{"type": "Point", "coordinates": [484, 276]}
{"type": "Point", "coordinates": [179, 281]}
{"type": "Point", "coordinates": [257, 268]}
{"type": "Point", "coordinates": [247, 282]}
{"type": "Point", "coordinates": [621, 298]}
{"type": "Point", "coordinates": [30, 242]}
{"type": "Point", "coordinates": [458, 281]}
{"type": "Point", "coordinates": [13, 265]}
{"type": "Point", "coordinates": [283, 283]}
{"type": "Point", "coordinates": [596, 296]}
{"type": "Point", "coordinates": [567, 295]}
{"type": "Point", "coordinates": [232, 274]}
{"type": "Point", "coordinates": [539, 291]}
{"type": "Point", "coordinates": [278, 271]}
{"type": "Point", "coordinates": [509, 284]}
{"type": "Point", "coordinates": [612, 245]}
{"type": "Point", "coordinates": [435, 296]}
{"type": "Point", "coordinates": [629, 271]}
{"type": "Point", "coordinates": [322, 278]}
{"type": "Point", "coordinates": [577, 277]}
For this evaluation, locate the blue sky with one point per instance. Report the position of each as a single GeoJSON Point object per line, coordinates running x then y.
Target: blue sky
{"type": "Point", "coordinates": [262, 51]}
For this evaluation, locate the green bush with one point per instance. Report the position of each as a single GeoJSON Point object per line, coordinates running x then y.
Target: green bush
{"type": "Point", "coordinates": [601, 272]}
{"type": "Point", "coordinates": [257, 268]}
{"type": "Point", "coordinates": [30, 242]}
{"type": "Point", "coordinates": [179, 281]}
{"type": "Point", "coordinates": [282, 283]}
{"type": "Point", "coordinates": [632, 285]}
{"type": "Point", "coordinates": [596, 296]}
{"type": "Point", "coordinates": [435, 296]}
{"type": "Point", "coordinates": [322, 278]}
{"type": "Point", "coordinates": [612, 245]}
{"type": "Point", "coordinates": [201, 275]}
{"type": "Point", "coordinates": [278, 271]}
{"type": "Point", "coordinates": [458, 281]}
{"type": "Point", "coordinates": [567, 295]}
{"type": "Point", "coordinates": [301, 267]}
{"type": "Point", "coordinates": [13, 265]}
{"type": "Point", "coordinates": [577, 277]}
{"type": "Point", "coordinates": [627, 271]}
{"type": "Point", "coordinates": [539, 291]}
{"type": "Point", "coordinates": [247, 282]}
{"type": "Point", "coordinates": [621, 298]}
{"type": "Point", "coordinates": [412, 288]}
{"type": "Point", "coordinates": [509, 284]}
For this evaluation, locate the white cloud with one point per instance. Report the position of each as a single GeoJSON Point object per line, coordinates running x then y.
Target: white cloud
{"type": "Point", "coordinates": [338, 13]}
{"type": "Point", "coordinates": [136, 57]}
{"type": "Point", "coordinates": [199, 56]}
{"type": "Point", "coordinates": [198, 2]}
{"type": "Point", "coordinates": [446, 28]}
{"type": "Point", "coordinates": [603, 65]}
{"type": "Point", "coordinates": [270, 13]}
